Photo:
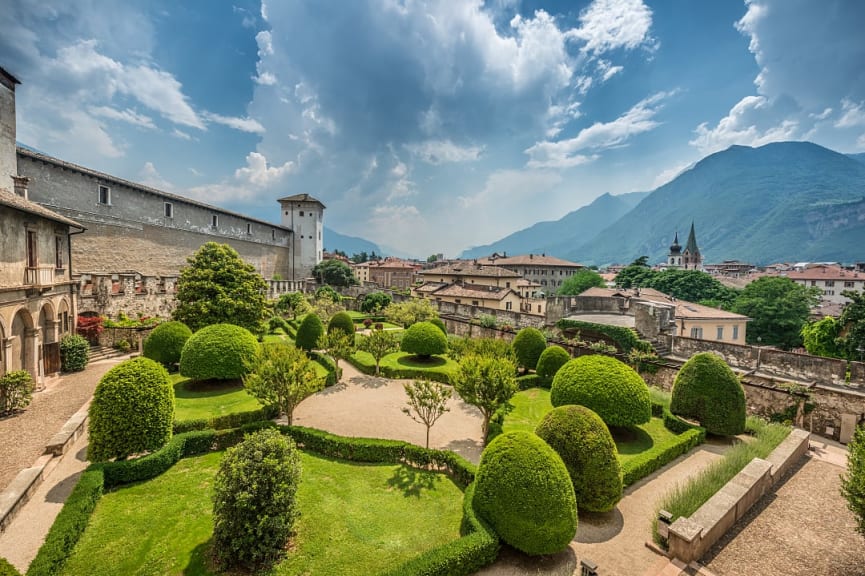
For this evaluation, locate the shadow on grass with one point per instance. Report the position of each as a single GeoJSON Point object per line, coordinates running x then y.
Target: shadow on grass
{"type": "Point", "coordinates": [199, 560]}
{"type": "Point", "coordinates": [421, 361]}
{"type": "Point", "coordinates": [411, 482]}
{"type": "Point", "coordinates": [206, 388]}
{"type": "Point", "coordinates": [631, 439]}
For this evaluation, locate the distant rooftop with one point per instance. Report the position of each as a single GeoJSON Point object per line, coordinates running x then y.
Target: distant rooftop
{"type": "Point", "coordinates": [684, 309]}
{"type": "Point", "coordinates": [526, 260]}
{"type": "Point", "coordinates": [470, 269]}
{"type": "Point", "coordinates": [473, 291]}
{"type": "Point", "coordinates": [301, 198]}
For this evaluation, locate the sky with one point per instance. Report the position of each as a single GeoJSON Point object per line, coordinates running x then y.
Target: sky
{"type": "Point", "coordinates": [427, 126]}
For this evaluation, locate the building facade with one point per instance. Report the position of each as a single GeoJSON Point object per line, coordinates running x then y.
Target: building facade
{"type": "Point", "coordinates": [390, 274]}
{"type": "Point", "coordinates": [548, 271]}
{"type": "Point", "coordinates": [305, 216]}
{"type": "Point", "coordinates": [832, 280]}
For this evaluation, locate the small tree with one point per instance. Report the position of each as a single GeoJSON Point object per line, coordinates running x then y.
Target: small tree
{"type": "Point", "coordinates": [310, 332]}
{"type": "Point", "coordinates": [334, 273]}
{"type": "Point", "coordinates": [529, 344]}
{"type": "Point", "coordinates": [424, 339]}
{"type": "Point", "coordinates": [282, 375]}
{"type": "Point", "coordinates": [16, 391]}
{"type": "Point", "coordinates": [338, 345]}
{"type": "Point", "coordinates": [379, 344]}
{"type": "Point", "coordinates": [410, 312]}
{"type": "Point", "coordinates": [325, 307]}
{"type": "Point", "coordinates": [375, 302]}
{"type": "Point", "coordinates": [293, 303]}
{"type": "Point", "coordinates": [74, 353]}
{"type": "Point", "coordinates": [427, 402]}
{"type": "Point", "coordinates": [853, 482]}
{"type": "Point", "coordinates": [581, 281]}
{"type": "Point", "coordinates": [487, 383]}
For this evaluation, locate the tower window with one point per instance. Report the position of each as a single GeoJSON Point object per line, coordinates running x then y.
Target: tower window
{"type": "Point", "coordinates": [169, 210]}
{"type": "Point", "coordinates": [272, 234]}
{"type": "Point", "coordinates": [248, 228]}
{"type": "Point", "coordinates": [214, 220]}
{"type": "Point", "coordinates": [301, 213]}
{"type": "Point", "coordinates": [104, 195]}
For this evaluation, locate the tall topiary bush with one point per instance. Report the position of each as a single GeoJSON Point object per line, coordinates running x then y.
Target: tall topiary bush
{"type": "Point", "coordinates": [254, 499]}
{"type": "Point", "coordinates": [309, 333]}
{"type": "Point", "coordinates": [529, 344]}
{"type": "Point", "coordinates": [707, 390]}
{"type": "Point", "coordinates": [525, 493]}
{"type": "Point", "coordinates": [74, 353]}
{"type": "Point", "coordinates": [586, 447]}
{"type": "Point", "coordinates": [341, 321]}
{"type": "Point", "coordinates": [132, 410]}
{"type": "Point", "coordinates": [610, 388]}
{"type": "Point", "coordinates": [218, 352]}
{"type": "Point", "coordinates": [423, 339]}
{"type": "Point", "coordinates": [551, 360]}
{"type": "Point", "coordinates": [166, 342]}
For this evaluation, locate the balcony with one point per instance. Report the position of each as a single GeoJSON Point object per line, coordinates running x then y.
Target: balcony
{"type": "Point", "coordinates": [39, 277]}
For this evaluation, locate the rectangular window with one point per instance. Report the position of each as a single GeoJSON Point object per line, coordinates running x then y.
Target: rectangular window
{"type": "Point", "coordinates": [474, 302]}
{"type": "Point", "coordinates": [696, 333]}
{"type": "Point", "coordinates": [248, 228]}
{"type": "Point", "coordinates": [104, 195]}
{"type": "Point", "coordinates": [507, 284]}
{"type": "Point", "coordinates": [507, 305]}
{"type": "Point", "coordinates": [849, 284]}
{"type": "Point", "coordinates": [301, 213]}
{"type": "Point", "coordinates": [214, 220]}
{"type": "Point", "coordinates": [458, 301]}
{"type": "Point", "coordinates": [32, 249]}
{"type": "Point", "coordinates": [829, 283]}
{"type": "Point", "coordinates": [539, 308]}
{"type": "Point", "coordinates": [720, 335]}
{"type": "Point", "coordinates": [813, 282]}
{"type": "Point", "coordinates": [169, 210]}
{"type": "Point", "coordinates": [58, 252]}
{"type": "Point", "coordinates": [273, 234]}
{"type": "Point", "coordinates": [736, 332]}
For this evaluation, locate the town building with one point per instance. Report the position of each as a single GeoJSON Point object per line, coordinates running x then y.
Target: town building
{"type": "Point", "coordinates": [464, 272]}
{"type": "Point", "coordinates": [391, 273]}
{"type": "Point", "coordinates": [688, 257]}
{"type": "Point", "coordinates": [485, 286]}
{"type": "Point", "coordinates": [831, 279]}
{"type": "Point", "coordinates": [730, 268]}
{"type": "Point", "coordinates": [490, 297]}
{"type": "Point", "coordinates": [548, 271]}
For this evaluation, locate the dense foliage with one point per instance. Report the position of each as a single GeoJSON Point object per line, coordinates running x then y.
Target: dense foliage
{"type": "Point", "coordinates": [459, 347]}
{"type": "Point", "coordinates": [624, 338]}
{"type": "Point", "coordinates": [16, 391]}
{"type": "Point", "coordinates": [707, 390]}
{"type": "Point", "coordinates": [218, 287]}
{"type": "Point", "coordinates": [293, 303]}
{"type": "Point", "coordinates": [581, 281]}
{"type": "Point", "coordinates": [343, 322]}
{"type": "Point", "coordinates": [778, 308]}
{"type": "Point", "coordinates": [282, 375]}
{"type": "Point", "coordinates": [853, 482]}
{"type": "Point", "coordinates": [439, 323]}
{"type": "Point", "coordinates": [410, 312]}
{"type": "Point", "coordinates": [7, 569]}
{"type": "Point", "coordinates": [166, 341]}
{"type": "Point", "coordinates": [132, 411]}
{"type": "Point", "coordinates": [690, 285]}
{"type": "Point", "coordinates": [524, 491]}
{"type": "Point", "coordinates": [90, 327]}
{"type": "Point", "coordinates": [587, 448]}
{"type": "Point", "coordinates": [821, 338]}
{"type": "Point", "coordinates": [74, 353]}
{"type": "Point", "coordinates": [254, 494]}
{"type": "Point", "coordinates": [218, 352]}
{"type": "Point", "coordinates": [310, 332]}
{"type": "Point", "coordinates": [528, 345]}
{"type": "Point", "coordinates": [375, 302]}
{"type": "Point", "coordinates": [327, 292]}
{"type": "Point", "coordinates": [852, 322]}
{"type": "Point", "coordinates": [610, 388]}
{"type": "Point", "coordinates": [487, 382]}
{"type": "Point", "coordinates": [333, 273]}
{"type": "Point", "coordinates": [550, 361]}
{"type": "Point", "coordinates": [424, 339]}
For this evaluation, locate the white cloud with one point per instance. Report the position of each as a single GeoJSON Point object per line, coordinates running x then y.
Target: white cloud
{"type": "Point", "coordinates": [177, 133]}
{"type": "Point", "coordinates": [220, 193]}
{"type": "Point", "coordinates": [822, 115]}
{"type": "Point", "coordinates": [749, 123]}
{"type": "Point", "coordinates": [606, 25]}
{"type": "Point", "coordinates": [265, 43]}
{"type": "Point", "coordinates": [444, 151]}
{"type": "Point", "coordinates": [853, 114]}
{"type": "Point", "coordinates": [150, 176]}
{"type": "Point", "coordinates": [243, 124]}
{"type": "Point", "coordinates": [607, 70]}
{"type": "Point", "coordinates": [128, 115]}
{"type": "Point", "coordinates": [257, 171]}
{"type": "Point", "coordinates": [265, 79]}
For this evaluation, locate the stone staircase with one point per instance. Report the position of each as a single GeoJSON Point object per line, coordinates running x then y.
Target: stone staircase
{"type": "Point", "coordinates": [98, 352]}
{"type": "Point", "coordinates": [662, 347]}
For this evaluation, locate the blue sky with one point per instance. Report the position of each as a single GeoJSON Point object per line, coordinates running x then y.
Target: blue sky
{"type": "Point", "coordinates": [428, 126]}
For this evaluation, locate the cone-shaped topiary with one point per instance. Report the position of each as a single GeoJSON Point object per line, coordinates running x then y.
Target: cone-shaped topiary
{"type": "Point", "coordinates": [309, 333]}
{"type": "Point", "coordinates": [529, 344]}
{"type": "Point", "coordinates": [584, 442]}
{"type": "Point", "coordinates": [707, 390]}
{"type": "Point", "coordinates": [524, 491]}
{"type": "Point", "coordinates": [550, 361]}
{"type": "Point", "coordinates": [166, 342]}
{"type": "Point", "coordinates": [424, 339]}
{"type": "Point", "coordinates": [609, 387]}
{"type": "Point", "coordinates": [218, 352]}
{"type": "Point", "coordinates": [132, 410]}
{"type": "Point", "coordinates": [341, 321]}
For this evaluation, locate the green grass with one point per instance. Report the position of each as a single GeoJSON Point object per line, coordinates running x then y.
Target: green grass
{"type": "Point", "coordinates": [405, 365]}
{"type": "Point", "coordinates": [192, 401]}
{"type": "Point", "coordinates": [660, 396]}
{"type": "Point", "coordinates": [355, 519]}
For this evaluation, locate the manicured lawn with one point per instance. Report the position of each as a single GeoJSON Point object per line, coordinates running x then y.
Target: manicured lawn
{"type": "Point", "coordinates": [355, 519]}
{"type": "Point", "coordinates": [405, 365]}
{"type": "Point", "coordinates": [208, 400]}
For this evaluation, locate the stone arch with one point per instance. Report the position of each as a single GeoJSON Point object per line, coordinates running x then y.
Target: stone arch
{"type": "Point", "coordinates": [23, 335]}
{"type": "Point", "coordinates": [48, 323]}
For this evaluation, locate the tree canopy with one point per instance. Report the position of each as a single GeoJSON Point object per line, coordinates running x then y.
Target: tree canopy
{"type": "Point", "coordinates": [410, 312]}
{"type": "Point", "coordinates": [778, 308]}
{"type": "Point", "coordinates": [690, 285]}
{"type": "Point", "coordinates": [581, 281]}
{"type": "Point", "coordinates": [852, 324]}
{"type": "Point", "coordinates": [333, 273]}
{"type": "Point", "coordinates": [821, 337]}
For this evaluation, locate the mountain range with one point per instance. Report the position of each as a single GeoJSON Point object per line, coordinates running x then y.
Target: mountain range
{"type": "Point", "coordinates": [351, 245]}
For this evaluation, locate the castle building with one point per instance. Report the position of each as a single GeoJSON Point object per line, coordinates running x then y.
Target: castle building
{"type": "Point", "coordinates": [688, 258]}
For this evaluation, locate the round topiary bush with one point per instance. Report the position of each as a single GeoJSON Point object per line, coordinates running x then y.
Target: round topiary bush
{"type": "Point", "coordinates": [524, 491]}
{"type": "Point", "coordinates": [609, 387]}
{"type": "Point", "coordinates": [166, 341]}
{"type": "Point", "coordinates": [586, 447]}
{"type": "Point", "coordinates": [707, 390]}
{"type": "Point", "coordinates": [218, 352]}
{"type": "Point", "coordinates": [74, 353]}
{"type": "Point", "coordinates": [550, 361]}
{"type": "Point", "coordinates": [424, 339]}
{"type": "Point", "coordinates": [341, 321]}
{"type": "Point", "coordinates": [254, 499]}
{"type": "Point", "coordinates": [439, 323]}
{"type": "Point", "coordinates": [132, 410]}
{"type": "Point", "coordinates": [529, 344]}
{"type": "Point", "coordinates": [309, 333]}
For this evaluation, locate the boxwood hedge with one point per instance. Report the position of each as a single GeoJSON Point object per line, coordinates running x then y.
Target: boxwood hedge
{"type": "Point", "coordinates": [218, 352]}
{"type": "Point", "coordinates": [424, 339]}
{"type": "Point", "coordinates": [166, 342]}
{"type": "Point", "coordinates": [552, 358]}
{"type": "Point", "coordinates": [529, 344]}
{"type": "Point", "coordinates": [707, 390]}
{"type": "Point", "coordinates": [341, 321]}
{"type": "Point", "coordinates": [310, 332]}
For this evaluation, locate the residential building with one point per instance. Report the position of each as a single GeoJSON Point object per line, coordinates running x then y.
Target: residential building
{"type": "Point", "coordinates": [831, 279]}
{"type": "Point", "coordinates": [392, 273]}
{"type": "Point", "coordinates": [733, 268]}
{"type": "Point", "coordinates": [464, 272]}
{"type": "Point", "coordinates": [548, 271]}
{"type": "Point", "coordinates": [492, 297]}
{"type": "Point", "coordinates": [361, 272]}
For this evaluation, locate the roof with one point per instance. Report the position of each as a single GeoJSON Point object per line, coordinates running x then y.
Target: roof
{"type": "Point", "coordinates": [396, 265]}
{"type": "Point", "coordinates": [13, 200]}
{"type": "Point", "coordinates": [825, 273]}
{"type": "Point", "coordinates": [115, 180]}
{"type": "Point", "coordinates": [7, 79]}
{"type": "Point", "coordinates": [691, 246]}
{"type": "Point", "coordinates": [468, 269]}
{"type": "Point", "coordinates": [430, 287]}
{"type": "Point", "coordinates": [473, 291]}
{"type": "Point", "coordinates": [523, 282]}
{"type": "Point", "coordinates": [528, 260]}
{"type": "Point", "coordinates": [301, 198]}
{"type": "Point", "coordinates": [684, 309]}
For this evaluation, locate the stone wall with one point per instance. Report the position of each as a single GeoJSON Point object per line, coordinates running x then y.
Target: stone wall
{"type": "Point", "coordinates": [515, 319]}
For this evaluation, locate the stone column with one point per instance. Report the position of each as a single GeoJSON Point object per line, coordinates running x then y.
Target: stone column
{"type": "Point", "coordinates": [32, 360]}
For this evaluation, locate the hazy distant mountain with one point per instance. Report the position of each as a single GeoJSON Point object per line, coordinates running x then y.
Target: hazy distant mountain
{"type": "Point", "coordinates": [349, 244]}
{"type": "Point", "coordinates": [787, 201]}
{"type": "Point", "coordinates": [858, 157]}
{"type": "Point", "coordinates": [559, 237]}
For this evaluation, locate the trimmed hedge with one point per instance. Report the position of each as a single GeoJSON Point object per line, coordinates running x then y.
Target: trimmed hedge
{"type": "Point", "coordinates": [439, 323]}
{"type": "Point", "coordinates": [625, 338]}
{"type": "Point", "coordinates": [525, 493]}
{"type": "Point", "coordinates": [707, 390]}
{"type": "Point", "coordinates": [74, 353]}
{"type": "Point", "coordinates": [424, 339]}
{"type": "Point", "coordinates": [166, 341]}
{"type": "Point", "coordinates": [309, 332]}
{"type": "Point", "coordinates": [226, 421]}
{"type": "Point", "coordinates": [552, 358]}
{"type": "Point", "coordinates": [607, 386]}
{"type": "Point", "coordinates": [527, 381]}
{"type": "Point", "coordinates": [333, 372]}
{"type": "Point", "coordinates": [644, 464]}
{"type": "Point", "coordinates": [587, 448]}
{"type": "Point", "coordinates": [529, 344]}
{"type": "Point", "coordinates": [218, 352]}
{"type": "Point", "coordinates": [365, 363]}
{"type": "Point", "coordinates": [341, 321]}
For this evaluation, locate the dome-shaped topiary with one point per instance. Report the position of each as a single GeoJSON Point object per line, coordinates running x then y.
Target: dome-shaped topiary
{"type": "Point", "coordinates": [529, 344]}
{"type": "Point", "coordinates": [707, 390]}
{"type": "Point", "coordinates": [218, 352]}
{"type": "Point", "coordinates": [132, 410]}
{"type": "Point", "coordinates": [584, 442]}
{"type": "Point", "coordinates": [609, 387]}
{"type": "Point", "coordinates": [310, 332]}
{"type": "Point", "coordinates": [166, 342]}
{"type": "Point", "coordinates": [341, 321]}
{"type": "Point", "coordinates": [424, 339]}
{"type": "Point", "coordinates": [524, 491]}
{"type": "Point", "coordinates": [550, 361]}
{"type": "Point", "coordinates": [439, 323]}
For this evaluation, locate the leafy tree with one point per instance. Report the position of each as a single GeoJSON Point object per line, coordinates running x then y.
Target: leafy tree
{"type": "Point", "coordinates": [410, 312]}
{"type": "Point", "coordinates": [821, 337]}
{"type": "Point", "coordinates": [328, 292]}
{"type": "Point", "coordinates": [309, 333]}
{"type": "Point", "coordinates": [853, 482]}
{"type": "Point", "coordinates": [432, 258]}
{"type": "Point", "coordinates": [778, 308]}
{"type": "Point", "coordinates": [691, 285]}
{"type": "Point", "coordinates": [852, 323]}
{"type": "Point", "coordinates": [427, 402]}
{"type": "Point", "coordinates": [337, 344]}
{"type": "Point", "coordinates": [486, 382]}
{"type": "Point", "coordinates": [325, 307]}
{"type": "Point", "coordinates": [424, 339]}
{"type": "Point", "coordinates": [219, 287]}
{"type": "Point", "coordinates": [293, 303]}
{"type": "Point", "coordinates": [635, 274]}
{"type": "Point", "coordinates": [283, 375]}
{"type": "Point", "coordinates": [333, 273]}
{"type": "Point", "coordinates": [581, 281]}
{"type": "Point", "coordinates": [375, 302]}
{"type": "Point", "coordinates": [379, 344]}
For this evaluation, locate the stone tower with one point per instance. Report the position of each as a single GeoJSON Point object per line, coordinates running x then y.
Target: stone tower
{"type": "Point", "coordinates": [8, 159]}
{"type": "Point", "coordinates": [305, 216]}
{"type": "Point", "coordinates": [691, 257]}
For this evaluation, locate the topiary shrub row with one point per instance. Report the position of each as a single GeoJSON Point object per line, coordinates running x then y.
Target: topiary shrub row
{"type": "Point", "coordinates": [366, 364]}
{"type": "Point", "coordinates": [218, 352]}
{"type": "Point", "coordinates": [527, 381]}
{"type": "Point", "coordinates": [74, 353]}
{"type": "Point", "coordinates": [226, 421]}
{"type": "Point", "coordinates": [277, 323]}
{"type": "Point", "coordinates": [165, 343]}
{"type": "Point", "coordinates": [625, 338]}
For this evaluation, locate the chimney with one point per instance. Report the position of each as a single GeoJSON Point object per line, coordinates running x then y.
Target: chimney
{"type": "Point", "coordinates": [21, 186]}
{"type": "Point", "coordinates": [531, 256]}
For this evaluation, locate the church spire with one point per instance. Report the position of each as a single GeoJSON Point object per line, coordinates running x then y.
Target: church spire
{"type": "Point", "coordinates": [691, 246]}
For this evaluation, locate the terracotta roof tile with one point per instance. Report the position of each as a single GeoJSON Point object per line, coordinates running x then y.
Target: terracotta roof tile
{"type": "Point", "coordinates": [465, 269]}
{"type": "Point", "coordinates": [13, 200]}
